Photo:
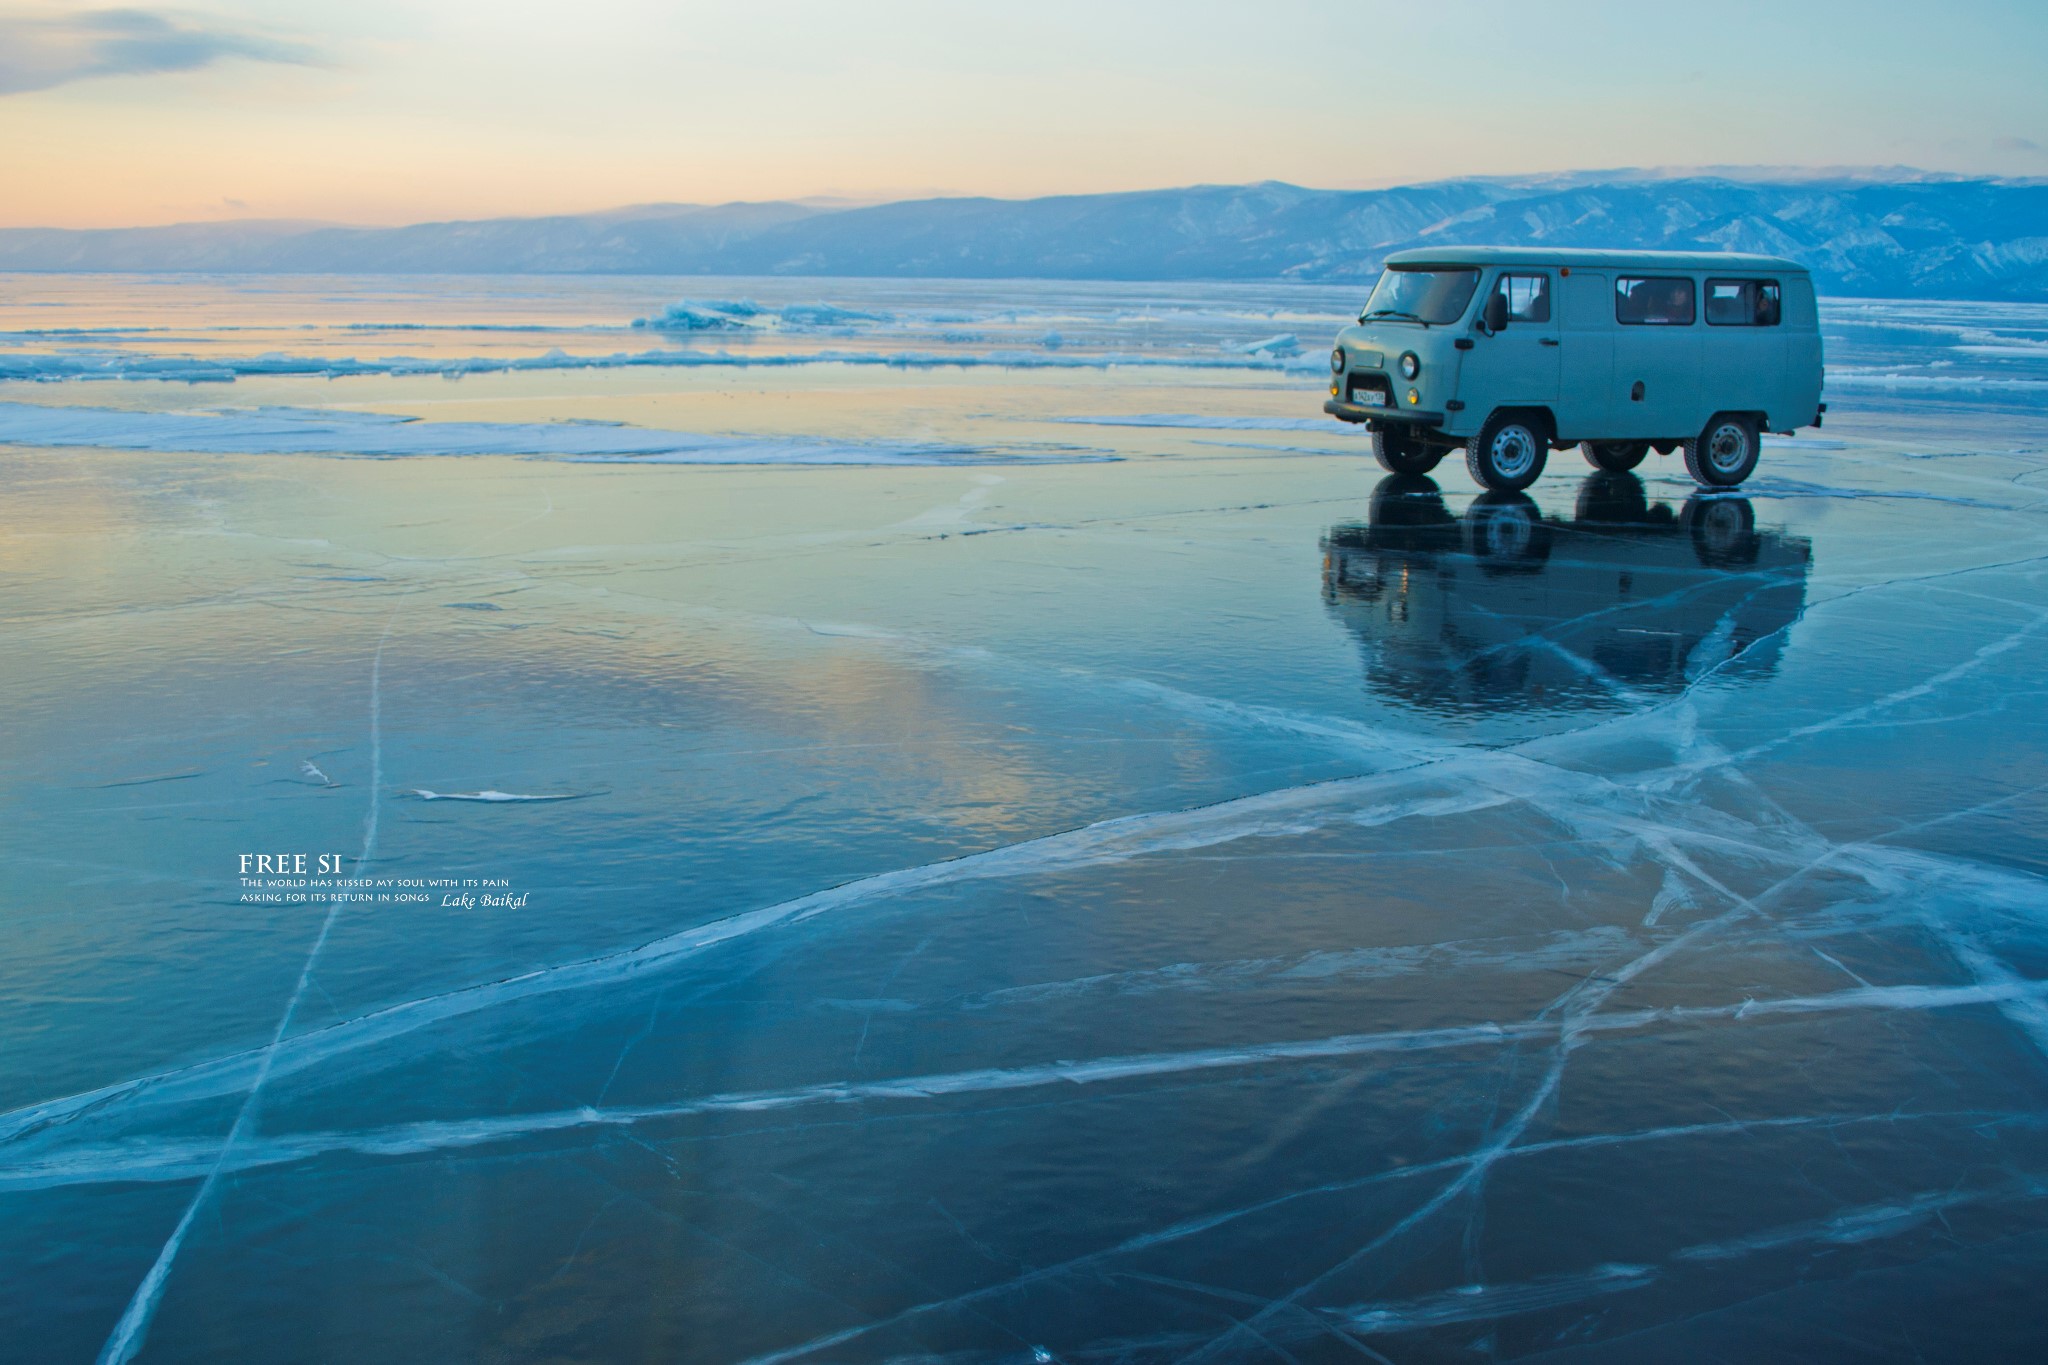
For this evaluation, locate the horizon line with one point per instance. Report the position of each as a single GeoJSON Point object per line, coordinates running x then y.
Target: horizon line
{"type": "Point", "coordinates": [842, 203]}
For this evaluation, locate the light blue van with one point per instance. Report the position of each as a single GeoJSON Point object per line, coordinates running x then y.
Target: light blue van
{"type": "Point", "coordinates": [1508, 353]}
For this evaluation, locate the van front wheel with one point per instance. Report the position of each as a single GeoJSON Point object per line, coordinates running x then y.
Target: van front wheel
{"type": "Point", "coordinates": [1617, 457]}
{"type": "Point", "coordinates": [1724, 454]}
{"type": "Point", "coordinates": [1508, 453]}
{"type": "Point", "coordinates": [1403, 452]}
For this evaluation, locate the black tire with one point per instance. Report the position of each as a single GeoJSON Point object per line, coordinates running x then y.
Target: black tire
{"type": "Point", "coordinates": [1403, 452]}
{"type": "Point", "coordinates": [1616, 456]}
{"type": "Point", "coordinates": [1507, 532]}
{"type": "Point", "coordinates": [1508, 453]}
{"type": "Point", "coordinates": [1723, 455]}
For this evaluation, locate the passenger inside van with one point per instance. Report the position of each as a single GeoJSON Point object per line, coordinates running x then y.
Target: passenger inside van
{"type": "Point", "coordinates": [1671, 302]}
{"type": "Point", "coordinates": [1658, 302]}
{"type": "Point", "coordinates": [1742, 303]}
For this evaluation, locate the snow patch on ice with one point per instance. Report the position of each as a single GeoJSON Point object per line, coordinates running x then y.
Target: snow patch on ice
{"type": "Point", "coordinates": [1791, 488]}
{"type": "Point", "coordinates": [826, 315]}
{"type": "Point", "coordinates": [1804, 443]}
{"type": "Point", "coordinates": [691, 315]}
{"type": "Point", "coordinates": [1201, 422]}
{"type": "Point", "coordinates": [734, 315]}
{"type": "Point", "coordinates": [50, 367]}
{"type": "Point", "coordinates": [493, 796]}
{"type": "Point", "coordinates": [288, 431]}
{"type": "Point", "coordinates": [1895, 381]}
{"type": "Point", "coordinates": [1286, 344]}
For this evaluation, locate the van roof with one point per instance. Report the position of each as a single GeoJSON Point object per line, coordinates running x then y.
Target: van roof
{"type": "Point", "coordinates": [1592, 260]}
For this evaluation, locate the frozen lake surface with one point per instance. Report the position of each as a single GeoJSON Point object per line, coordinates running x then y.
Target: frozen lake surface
{"type": "Point", "coordinates": [965, 820]}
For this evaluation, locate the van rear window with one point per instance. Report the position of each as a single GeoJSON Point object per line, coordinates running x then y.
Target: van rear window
{"type": "Point", "coordinates": [1743, 303]}
{"type": "Point", "coordinates": [1654, 301]}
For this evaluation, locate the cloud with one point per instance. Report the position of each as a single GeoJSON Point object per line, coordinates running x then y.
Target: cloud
{"type": "Point", "coordinates": [38, 52]}
{"type": "Point", "coordinates": [2016, 144]}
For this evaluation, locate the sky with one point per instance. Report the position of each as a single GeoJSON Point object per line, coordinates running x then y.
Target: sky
{"type": "Point", "coordinates": [391, 111]}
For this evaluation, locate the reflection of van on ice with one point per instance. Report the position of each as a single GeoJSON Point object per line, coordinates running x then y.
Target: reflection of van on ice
{"type": "Point", "coordinates": [1507, 609]}
{"type": "Point", "coordinates": [1512, 352]}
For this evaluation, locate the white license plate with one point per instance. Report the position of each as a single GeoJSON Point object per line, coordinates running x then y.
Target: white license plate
{"type": "Point", "coordinates": [1371, 398]}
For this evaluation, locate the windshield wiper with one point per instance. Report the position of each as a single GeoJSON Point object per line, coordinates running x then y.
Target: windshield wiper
{"type": "Point", "coordinates": [1394, 313]}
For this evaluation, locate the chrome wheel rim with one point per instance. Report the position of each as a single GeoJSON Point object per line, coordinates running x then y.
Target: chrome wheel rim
{"type": "Point", "coordinates": [1727, 448]}
{"type": "Point", "coordinates": [1513, 451]}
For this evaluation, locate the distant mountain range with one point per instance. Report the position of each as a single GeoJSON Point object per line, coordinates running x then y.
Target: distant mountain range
{"type": "Point", "coordinates": [1901, 234]}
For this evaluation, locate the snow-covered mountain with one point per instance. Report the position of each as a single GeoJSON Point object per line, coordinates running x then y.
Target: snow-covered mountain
{"type": "Point", "coordinates": [1900, 234]}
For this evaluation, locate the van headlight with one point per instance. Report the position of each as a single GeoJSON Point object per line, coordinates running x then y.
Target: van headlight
{"type": "Point", "coordinates": [1337, 361]}
{"type": "Point", "coordinates": [1411, 364]}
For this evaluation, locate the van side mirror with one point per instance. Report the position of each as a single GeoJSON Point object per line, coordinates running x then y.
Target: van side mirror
{"type": "Point", "coordinates": [1495, 315]}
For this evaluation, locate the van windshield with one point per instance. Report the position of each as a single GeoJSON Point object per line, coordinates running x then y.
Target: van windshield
{"type": "Point", "coordinates": [1433, 294]}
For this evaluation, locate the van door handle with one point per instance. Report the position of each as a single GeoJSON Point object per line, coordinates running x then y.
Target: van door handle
{"type": "Point", "coordinates": [1547, 341]}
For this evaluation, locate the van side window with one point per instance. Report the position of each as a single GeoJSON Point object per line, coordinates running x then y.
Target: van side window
{"type": "Point", "coordinates": [1654, 301]}
{"type": "Point", "coordinates": [1743, 303]}
{"type": "Point", "coordinates": [1528, 297]}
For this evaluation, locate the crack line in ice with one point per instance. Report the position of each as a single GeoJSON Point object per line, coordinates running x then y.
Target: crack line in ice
{"type": "Point", "coordinates": [1677, 597]}
{"type": "Point", "coordinates": [1288, 810]}
{"type": "Point", "coordinates": [1204, 1223]}
{"type": "Point", "coordinates": [1540, 951]}
{"type": "Point", "coordinates": [222, 1074]}
{"type": "Point", "coordinates": [133, 1327]}
{"type": "Point", "coordinates": [1864, 1223]}
{"type": "Point", "coordinates": [1072, 849]}
{"type": "Point", "coordinates": [1581, 1002]}
{"type": "Point", "coordinates": [1285, 811]}
{"type": "Point", "coordinates": [158, 1160]}
{"type": "Point", "coordinates": [1857, 714]}
{"type": "Point", "coordinates": [1484, 1302]}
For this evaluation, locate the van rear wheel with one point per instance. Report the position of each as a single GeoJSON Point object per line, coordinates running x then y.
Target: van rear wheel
{"type": "Point", "coordinates": [1615, 456]}
{"type": "Point", "coordinates": [1403, 452]}
{"type": "Point", "coordinates": [1508, 453]}
{"type": "Point", "coordinates": [1723, 455]}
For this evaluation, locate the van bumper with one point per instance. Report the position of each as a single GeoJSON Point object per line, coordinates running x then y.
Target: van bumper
{"type": "Point", "coordinates": [1358, 412]}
